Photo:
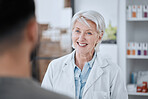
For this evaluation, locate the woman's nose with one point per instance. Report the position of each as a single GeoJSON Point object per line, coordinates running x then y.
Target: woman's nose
{"type": "Point", "coordinates": [82, 36]}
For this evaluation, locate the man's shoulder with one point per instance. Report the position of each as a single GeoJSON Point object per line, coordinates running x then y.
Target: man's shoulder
{"type": "Point", "coordinates": [46, 94]}
{"type": "Point", "coordinates": [18, 88]}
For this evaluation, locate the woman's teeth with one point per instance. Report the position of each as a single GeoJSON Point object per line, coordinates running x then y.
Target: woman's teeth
{"type": "Point", "coordinates": [82, 44]}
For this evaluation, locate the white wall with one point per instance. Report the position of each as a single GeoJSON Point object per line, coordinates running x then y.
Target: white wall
{"type": "Point", "coordinates": [121, 37]}
{"type": "Point", "coordinates": [105, 7]}
{"type": "Point", "coordinates": [49, 11]}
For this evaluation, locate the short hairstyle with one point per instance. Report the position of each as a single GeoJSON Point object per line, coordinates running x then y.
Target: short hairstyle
{"type": "Point", "coordinates": [93, 16]}
{"type": "Point", "coordinates": [14, 15]}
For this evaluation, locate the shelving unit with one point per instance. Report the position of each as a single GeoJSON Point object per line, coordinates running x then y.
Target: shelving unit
{"type": "Point", "coordinates": [132, 30]}
{"type": "Point", "coordinates": [137, 94]}
{"type": "Point", "coordinates": [137, 57]}
{"type": "Point", "coordinates": [135, 19]}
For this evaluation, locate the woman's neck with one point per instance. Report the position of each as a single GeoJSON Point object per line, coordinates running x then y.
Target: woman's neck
{"type": "Point", "coordinates": [81, 59]}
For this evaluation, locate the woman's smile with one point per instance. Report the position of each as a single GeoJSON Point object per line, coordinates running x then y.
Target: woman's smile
{"type": "Point", "coordinates": [82, 44]}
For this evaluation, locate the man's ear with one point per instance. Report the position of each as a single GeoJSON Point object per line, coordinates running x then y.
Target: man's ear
{"type": "Point", "coordinates": [32, 29]}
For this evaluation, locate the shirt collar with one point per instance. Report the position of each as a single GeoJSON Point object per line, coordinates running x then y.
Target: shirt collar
{"type": "Point", "coordinates": [90, 63]}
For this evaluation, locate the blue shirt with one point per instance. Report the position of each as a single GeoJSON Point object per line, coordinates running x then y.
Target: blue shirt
{"type": "Point", "coordinates": [81, 76]}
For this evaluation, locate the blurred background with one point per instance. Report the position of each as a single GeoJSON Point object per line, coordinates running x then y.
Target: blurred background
{"type": "Point", "coordinates": [125, 41]}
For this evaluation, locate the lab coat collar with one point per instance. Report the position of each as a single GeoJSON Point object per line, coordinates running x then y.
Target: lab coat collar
{"type": "Point", "coordinates": [69, 59]}
{"type": "Point", "coordinates": [89, 62]}
{"type": "Point", "coordinates": [95, 73]}
{"type": "Point", "coordinates": [102, 62]}
{"type": "Point", "coordinates": [99, 61]}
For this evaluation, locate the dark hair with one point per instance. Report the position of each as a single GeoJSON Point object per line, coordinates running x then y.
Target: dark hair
{"type": "Point", "coordinates": [14, 15]}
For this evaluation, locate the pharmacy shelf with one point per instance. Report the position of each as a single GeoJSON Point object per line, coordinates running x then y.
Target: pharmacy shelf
{"type": "Point", "coordinates": [137, 57]}
{"type": "Point", "coordinates": [137, 93]}
{"type": "Point", "coordinates": [136, 19]}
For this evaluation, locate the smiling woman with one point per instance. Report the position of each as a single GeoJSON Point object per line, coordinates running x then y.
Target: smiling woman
{"type": "Point", "coordinates": [85, 74]}
{"type": "Point", "coordinates": [85, 38]}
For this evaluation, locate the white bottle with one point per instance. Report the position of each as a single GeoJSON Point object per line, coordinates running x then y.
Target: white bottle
{"type": "Point", "coordinates": [145, 11]}
{"type": "Point", "coordinates": [134, 11]}
{"type": "Point", "coordinates": [129, 12]}
{"type": "Point", "coordinates": [133, 49]}
{"type": "Point", "coordinates": [139, 11]}
{"type": "Point", "coordinates": [145, 49]}
{"type": "Point", "coordinates": [139, 49]}
{"type": "Point", "coordinates": [136, 48]}
{"type": "Point", "coordinates": [129, 49]}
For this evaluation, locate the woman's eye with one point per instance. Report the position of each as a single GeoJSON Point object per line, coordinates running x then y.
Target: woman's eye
{"type": "Point", "coordinates": [89, 33]}
{"type": "Point", "coordinates": [77, 31]}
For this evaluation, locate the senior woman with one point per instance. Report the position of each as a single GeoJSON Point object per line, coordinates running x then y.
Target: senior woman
{"type": "Point", "coordinates": [84, 73]}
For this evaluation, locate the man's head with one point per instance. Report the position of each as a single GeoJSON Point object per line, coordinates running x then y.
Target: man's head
{"type": "Point", "coordinates": [17, 23]}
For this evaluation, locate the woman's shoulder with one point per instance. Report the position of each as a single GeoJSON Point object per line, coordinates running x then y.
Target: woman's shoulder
{"type": "Point", "coordinates": [112, 64]}
{"type": "Point", "coordinates": [113, 68]}
{"type": "Point", "coordinates": [58, 63]}
{"type": "Point", "coordinates": [109, 67]}
{"type": "Point", "coordinates": [107, 62]}
{"type": "Point", "coordinates": [63, 58]}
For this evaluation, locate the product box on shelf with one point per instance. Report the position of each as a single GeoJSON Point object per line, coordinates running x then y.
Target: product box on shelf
{"type": "Point", "coordinates": [139, 11]}
{"type": "Point", "coordinates": [137, 49]}
{"type": "Point", "coordinates": [145, 11]}
{"type": "Point", "coordinates": [133, 49]}
{"type": "Point", "coordinates": [128, 48]}
{"type": "Point", "coordinates": [129, 11]}
{"type": "Point", "coordinates": [145, 49]}
{"type": "Point", "coordinates": [134, 11]}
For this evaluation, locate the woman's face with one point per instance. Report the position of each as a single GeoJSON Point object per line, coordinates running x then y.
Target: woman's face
{"type": "Point", "coordinates": [84, 37]}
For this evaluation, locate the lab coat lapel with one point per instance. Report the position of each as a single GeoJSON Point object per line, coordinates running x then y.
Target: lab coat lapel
{"type": "Point", "coordinates": [68, 71]}
{"type": "Point", "coordinates": [96, 72]}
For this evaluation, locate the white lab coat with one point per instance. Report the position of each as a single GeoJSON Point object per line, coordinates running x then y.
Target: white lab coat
{"type": "Point", "coordinates": [105, 80]}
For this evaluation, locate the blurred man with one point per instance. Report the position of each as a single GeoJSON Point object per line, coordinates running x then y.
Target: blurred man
{"type": "Point", "coordinates": [18, 38]}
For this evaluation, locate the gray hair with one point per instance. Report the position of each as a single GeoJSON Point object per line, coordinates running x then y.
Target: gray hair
{"type": "Point", "coordinates": [93, 16]}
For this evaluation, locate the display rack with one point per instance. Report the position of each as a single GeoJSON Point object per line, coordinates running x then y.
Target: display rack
{"type": "Point", "coordinates": [136, 31]}
{"type": "Point", "coordinates": [132, 30]}
{"type": "Point", "coordinates": [137, 57]}
{"type": "Point", "coordinates": [138, 94]}
{"type": "Point", "coordinates": [135, 19]}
